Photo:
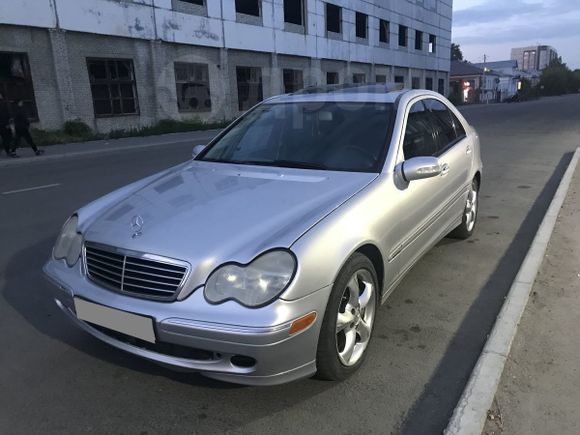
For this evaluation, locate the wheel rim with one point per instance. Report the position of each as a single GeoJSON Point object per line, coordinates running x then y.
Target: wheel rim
{"type": "Point", "coordinates": [471, 209]}
{"type": "Point", "coordinates": [355, 317]}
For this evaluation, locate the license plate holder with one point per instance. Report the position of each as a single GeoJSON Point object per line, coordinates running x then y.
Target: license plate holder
{"type": "Point", "coordinates": [131, 324]}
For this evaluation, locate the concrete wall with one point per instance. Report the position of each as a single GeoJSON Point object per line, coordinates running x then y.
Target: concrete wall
{"type": "Point", "coordinates": [59, 35]}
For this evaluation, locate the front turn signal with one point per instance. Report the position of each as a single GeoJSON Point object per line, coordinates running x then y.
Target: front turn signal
{"type": "Point", "coordinates": [302, 323]}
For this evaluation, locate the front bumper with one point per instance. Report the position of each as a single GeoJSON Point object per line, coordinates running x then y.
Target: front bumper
{"type": "Point", "coordinates": [221, 333]}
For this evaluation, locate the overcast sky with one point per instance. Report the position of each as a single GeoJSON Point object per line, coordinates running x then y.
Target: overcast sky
{"type": "Point", "coordinates": [493, 27]}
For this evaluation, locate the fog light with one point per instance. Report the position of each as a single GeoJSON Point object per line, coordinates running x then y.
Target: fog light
{"type": "Point", "coordinates": [243, 361]}
{"type": "Point", "coordinates": [302, 323]}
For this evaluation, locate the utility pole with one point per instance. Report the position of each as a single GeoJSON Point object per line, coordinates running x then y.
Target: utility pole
{"type": "Point", "coordinates": [484, 79]}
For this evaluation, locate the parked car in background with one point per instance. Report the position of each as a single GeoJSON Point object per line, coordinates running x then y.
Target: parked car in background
{"type": "Point", "coordinates": [265, 258]}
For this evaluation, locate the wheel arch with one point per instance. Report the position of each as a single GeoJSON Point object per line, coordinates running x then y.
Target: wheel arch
{"type": "Point", "coordinates": [373, 253]}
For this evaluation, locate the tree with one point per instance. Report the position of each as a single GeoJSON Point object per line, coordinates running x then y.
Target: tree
{"type": "Point", "coordinates": [557, 79]}
{"type": "Point", "coordinates": [456, 53]}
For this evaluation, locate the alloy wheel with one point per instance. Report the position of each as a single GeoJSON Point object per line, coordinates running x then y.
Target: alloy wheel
{"type": "Point", "coordinates": [355, 317]}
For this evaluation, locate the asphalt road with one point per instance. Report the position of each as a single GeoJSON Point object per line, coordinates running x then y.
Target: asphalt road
{"type": "Point", "coordinates": [55, 378]}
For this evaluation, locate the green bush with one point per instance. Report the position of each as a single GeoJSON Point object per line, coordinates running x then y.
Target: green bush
{"type": "Point", "coordinates": [77, 128]}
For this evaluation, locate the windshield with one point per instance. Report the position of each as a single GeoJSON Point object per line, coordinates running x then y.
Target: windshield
{"type": "Point", "coordinates": [330, 135]}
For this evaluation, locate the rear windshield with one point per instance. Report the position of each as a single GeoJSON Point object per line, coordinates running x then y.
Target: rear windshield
{"type": "Point", "coordinates": [333, 136]}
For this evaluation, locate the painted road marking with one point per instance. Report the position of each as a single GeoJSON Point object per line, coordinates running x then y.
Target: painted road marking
{"type": "Point", "coordinates": [46, 186]}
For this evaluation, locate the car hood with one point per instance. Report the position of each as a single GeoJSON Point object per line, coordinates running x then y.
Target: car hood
{"type": "Point", "coordinates": [210, 213]}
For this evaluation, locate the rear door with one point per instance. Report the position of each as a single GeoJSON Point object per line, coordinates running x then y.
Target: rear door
{"type": "Point", "coordinates": [454, 155]}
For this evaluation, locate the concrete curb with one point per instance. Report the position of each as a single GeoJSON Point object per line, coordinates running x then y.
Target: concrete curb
{"type": "Point", "coordinates": [471, 411]}
{"type": "Point", "coordinates": [73, 154]}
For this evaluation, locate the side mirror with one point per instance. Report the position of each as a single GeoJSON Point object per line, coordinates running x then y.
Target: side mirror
{"type": "Point", "coordinates": [418, 168]}
{"type": "Point", "coordinates": [196, 150]}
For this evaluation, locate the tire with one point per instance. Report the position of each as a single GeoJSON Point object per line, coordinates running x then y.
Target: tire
{"type": "Point", "coordinates": [357, 309]}
{"type": "Point", "coordinates": [469, 219]}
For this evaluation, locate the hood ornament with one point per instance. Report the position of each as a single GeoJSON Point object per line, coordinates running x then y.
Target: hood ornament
{"type": "Point", "coordinates": [137, 226]}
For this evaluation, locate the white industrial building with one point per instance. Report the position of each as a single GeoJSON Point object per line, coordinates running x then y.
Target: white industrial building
{"type": "Point", "coordinates": [128, 63]}
{"type": "Point", "coordinates": [534, 58]}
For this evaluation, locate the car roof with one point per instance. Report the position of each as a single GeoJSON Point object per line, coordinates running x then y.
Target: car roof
{"type": "Point", "coordinates": [372, 93]}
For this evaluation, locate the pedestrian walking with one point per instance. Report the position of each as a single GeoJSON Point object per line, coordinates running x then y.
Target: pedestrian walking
{"type": "Point", "coordinates": [22, 128]}
{"type": "Point", "coordinates": [5, 130]}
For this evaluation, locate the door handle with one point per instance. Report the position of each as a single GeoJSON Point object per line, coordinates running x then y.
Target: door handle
{"type": "Point", "coordinates": [444, 169]}
{"type": "Point", "coordinates": [468, 149]}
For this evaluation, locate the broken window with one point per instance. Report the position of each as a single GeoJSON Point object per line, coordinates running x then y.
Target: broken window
{"type": "Point", "coordinates": [333, 18]}
{"type": "Point", "coordinates": [248, 7]}
{"type": "Point", "coordinates": [403, 30]}
{"type": "Point", "coordinates": [194, 2]}
{"type": "Point", "coordinates": [192, 87]}
{"type": "Point", "coordinates": [249, 86]}
{"type": "Point", "coordinates": [16, 81]}
{"type": "Point", "coordinates": [418, 40]}
{"type": "Point", "coordinates": [381, 78]}
{"type": "Point", "coordinates": [384, 29]}
{"type": "Point", "coordinates": [359, 78]}
{"type": "Point", "coordinates": [361, 25]}
{"type": "Point", "coordinates": [113, 86]}
{"type": "Point", "coordinates": [332, 78]}
{"type": "Point", "coordinates": [294, 12]}
{"type": "Point", "coordinates": [432, 44]}
{"type": "Point", "coordinates": [399, 79]}
{"type": "Point", "coordinates": [293, 80]}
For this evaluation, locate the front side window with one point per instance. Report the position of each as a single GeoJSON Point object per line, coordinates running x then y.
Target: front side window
{"type": "Point", "coordinates": [333, 18]}
{"type": "Point", "coordinates": [334, 136]}
{"type": "Point", "coordinates": [113, 87]}
{"type": "Point", "coordinates": [442, 123]}
{"type": "Point", "coordinates": [419, 139]}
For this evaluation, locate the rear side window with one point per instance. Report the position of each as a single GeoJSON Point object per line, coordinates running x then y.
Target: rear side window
{"type": "Point", "coordinates": [442, 123]}
{"type": "Point", "coordinates": [419, 139]}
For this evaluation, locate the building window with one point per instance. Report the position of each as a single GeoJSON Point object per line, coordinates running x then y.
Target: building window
{"type": "Point", "coordinates": [113, 87]}
{"type": "Point", "coordinates": [384, 29]}
{"type": "Point", "coordinates": [16, 81]}
{"type": "Point", "coordinates": [381, 78]}
{"type": "Point", "coordinates": [194, 2]}
{"type": "Point", "coordinates": [429, 83]}
{"type": "Point", "coordinates": [332, 78]}
{"type": "Point", "coordinates": [249, 86]}
{"type": "Point", "coordinates": [192, 87]}
{"type": "Point", "coordinates": [359, 78]}
{"type": "Point", "coordinates": [415, 83]}
{"type": "Point", "coordinates": [294, 12]}
{"type": "Point", "coordinates": [293, 80]}
{"type": "Point", "coordinates": [432, 44]}
{"type": "Point", "coordinates": [197, 7]}
{"type": "Point", "coordinates": [441, 86]}
{"type": "Point", "coordinates": [361, 25]}
{"type": "Point", "coordinates": [248, 7]}
{"type": "Point", "coordinates": [400, 79]}
{"type": "Point", "coordinates": [418, 40]}
{"type": "Point", "coordinates": [403, 31]}
{"type": "Point", "coordinates": [333, 18]}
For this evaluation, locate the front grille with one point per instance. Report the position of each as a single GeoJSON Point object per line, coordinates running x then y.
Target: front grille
{"type": "Point", "coordinates": [141, 275]}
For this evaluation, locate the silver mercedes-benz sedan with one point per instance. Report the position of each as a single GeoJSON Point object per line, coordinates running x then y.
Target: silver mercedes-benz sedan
{"type": "Point", "coordinates": [265, 258]}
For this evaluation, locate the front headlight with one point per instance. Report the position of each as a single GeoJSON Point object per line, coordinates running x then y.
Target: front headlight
{"type": "Point", "coordinates": [254, 284]}
{"type": "Point", "coordinates": [69, 244]}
